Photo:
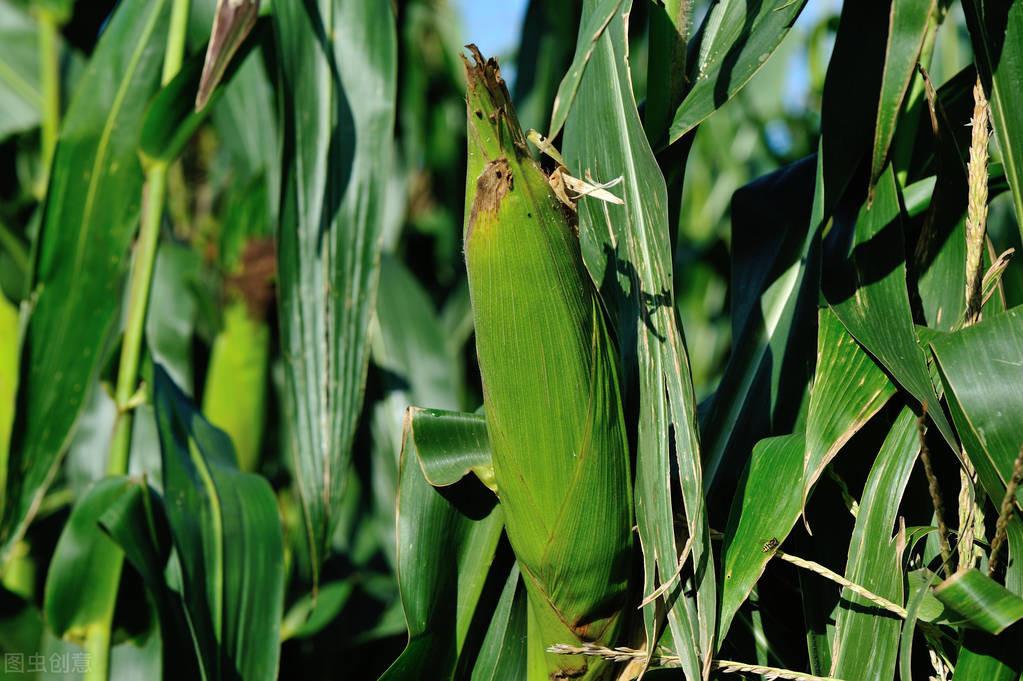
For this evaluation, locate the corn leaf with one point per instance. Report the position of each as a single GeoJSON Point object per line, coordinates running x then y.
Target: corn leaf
{"type": "Point", "coordinates": [767, 484]}
{"type": "Point", "coordinates": [83, 251]}
{"type": "Point", "coordinates": [919, 582]}
{"type": "Point", "coordinates": [910, 22]}
{"type": "Point", "coordinates": [852, 91]}
{"type": "Point", "coordinates": [868, 294]}
{"type": "Point", "coordinates": [465, 448]}
{"type": "Point", "coordinates": [545, 54]}
{"type": "Point", "coordinates": [984, 657]}
{"type": "Point", "coordinates": [867, 640]}
{"type": "Point", "coordinates": [416, 366]}
{"type": "Point", "coordinates": [735, 40]}
{"type": "Point", "coordinates": [996, 31]}
{"type": "Point", "coordinates": [137, 523]}
{"type": "Point", "coordinates": [85, 570]}
{"type": "Point", "coordinates": [627, 249]}
{"type": "Point", "coordinates": [848, 389]}
{"type": "Point", "coordinates": [20, 97]}
{"type": "Point", "coordinates": [980, 601]}
{"type": "Point", "coordinates": [670, 23]}
{"type": "Point", "coordinates": [313, 612]}
{"type": "Point", "coordinates": [596, 17]}
{"type": "Point", "coordinates": [981, 368]}
{"type": "Point", "coordinates": [446, 543]}
{"type": "Point", "coordinates": [338, 63]}
{"type": "Point", "coordinates": [10, 333]}
{"type": "Point", "coordinates": [776, 274]}
{"type": "Point", "coordinates": [503, 655]}
{"type": "Point", "coordinates": [227, 533]}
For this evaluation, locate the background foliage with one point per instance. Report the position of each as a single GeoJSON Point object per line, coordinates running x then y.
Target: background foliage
{"type": "Point", "coordinates": [213, 324]}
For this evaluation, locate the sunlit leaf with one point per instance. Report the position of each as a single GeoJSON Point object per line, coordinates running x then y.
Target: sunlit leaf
{"type": "Point", "coordinates": [734, 42]}
{"type": "Point", "coordinates": [866, 639]}
{"type": "Point", "coordinates": [338, 64]}
{"type": "Point", "coordinates": [626, 249]}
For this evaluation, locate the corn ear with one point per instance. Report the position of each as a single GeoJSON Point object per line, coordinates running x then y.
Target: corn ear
{"type": "Point", "coordinates": [551, 393]}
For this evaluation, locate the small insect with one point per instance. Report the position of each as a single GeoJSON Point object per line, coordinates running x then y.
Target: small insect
{"type": "Point", "coordinates": [771, 544]}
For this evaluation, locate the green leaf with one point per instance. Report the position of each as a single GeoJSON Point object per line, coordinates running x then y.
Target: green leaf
{"type": "Point", "coordinates": [172, 119]}
{"type": "Point", "coordinates": [338, 64]}
{"type": "Point", "coordinates": [996, 30]}
{"type": "Point", "coordinates": [10, 333]}
{"type": "Point", "coordinates": [734, 42]}
{"type": "Point", "coordinates": [446, 543]}
{"type": "Point", "coordinates": [627, 250]}
{"type": "Point", "coordinates": [545, 54]}
{"type": "Point", "coordinates": [775, 280]}
{"type": "Point", "coordinates": [852, 90]}
{"type": "Point", "coordinates": [983, 657]}
{"type": "Point", "coordinates": [227, 533]}
{"type": "Point", "coordinates": [769, 482]}
{"type": "Point", "coordinates": [312, 613]}
{"type": "Point", "coordinates": [136, 521]}
{"type": "Point", "coordinates": [412, 343]}
{"type": "Point", "coordinates": [848, 389]}
{"type": "Point", "coordinates": [172, 311]}
{"type": "Point", "coordinates": [85, 571]}
{"type": "Point", "coordinates": [980, 601]}
{"type": "Point", "coordinates": [597, 15]}
{"type": "Point", "coordinates": [911, 20]}
{"type": "Point", "coordinates": [867, 640]}
{"type": "Point", "coordinates": [669, 26]}
{"type": "Point", "coordinates": [91, 214]}
{"type": "Point", "coordinates": [981, 369]}
{"type": "Point", "coordinates": [459, 446]}
{"type": "Point", "coordinates": [417, 366]}
{"type": "Point", "coordinates": [503, 653]}
{"type": "Point", "coordinates": [20, 96]}
{"type": "Point", "coordinates": [918, 604]}
{"type": "Point", "coordinates": [868, 294]}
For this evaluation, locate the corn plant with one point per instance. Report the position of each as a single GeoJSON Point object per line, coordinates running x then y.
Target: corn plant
{"type": "Point", "coordinates": [690, 346]}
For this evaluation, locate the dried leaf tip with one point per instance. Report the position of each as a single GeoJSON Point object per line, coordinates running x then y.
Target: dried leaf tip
{"type": "Point", "coordinates": [232, 23]}
{"type": "Point", "coordinates": [483, 70]}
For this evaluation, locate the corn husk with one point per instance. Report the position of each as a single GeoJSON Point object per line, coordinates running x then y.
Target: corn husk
{"type": "Point", "coordinates": [551, 392]}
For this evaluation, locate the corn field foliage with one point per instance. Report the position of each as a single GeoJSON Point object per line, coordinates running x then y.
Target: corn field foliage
{"type": "Point", "coordinates": [685, 340]}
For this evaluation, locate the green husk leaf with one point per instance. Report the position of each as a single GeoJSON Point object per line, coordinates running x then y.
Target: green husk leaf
{"type": "Point", "coordinates": [553, 409]}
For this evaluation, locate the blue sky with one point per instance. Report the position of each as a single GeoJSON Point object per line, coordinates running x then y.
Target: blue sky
{"type": "Point", "coordinates": [494, 25]}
